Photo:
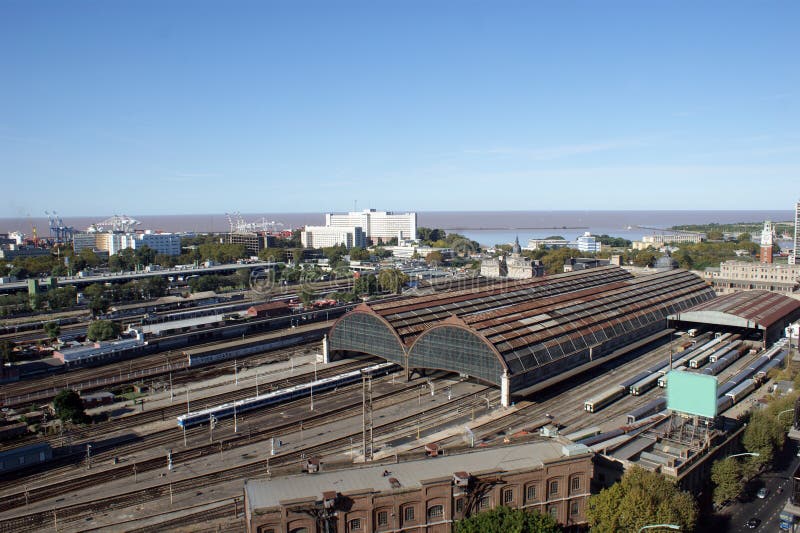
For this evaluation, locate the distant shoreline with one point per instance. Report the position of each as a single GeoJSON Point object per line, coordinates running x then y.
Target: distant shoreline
{"type": "Point", "coordinates": [465, 228]}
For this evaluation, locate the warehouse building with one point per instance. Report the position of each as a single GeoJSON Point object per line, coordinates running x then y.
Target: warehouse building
{"type": "Point", "coordinates": [521, 334]}
{"type": "Point", "coordinates": [426, 495]}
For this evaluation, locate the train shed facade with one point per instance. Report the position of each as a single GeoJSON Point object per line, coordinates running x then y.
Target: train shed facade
{"type": "Point", "coordinates": [765, 312]}
{"type": "Point", "coordinates": [518, 334]}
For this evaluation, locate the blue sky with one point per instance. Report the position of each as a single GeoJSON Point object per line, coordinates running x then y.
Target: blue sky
{"type": "Point", "coordinates": [193, 107]}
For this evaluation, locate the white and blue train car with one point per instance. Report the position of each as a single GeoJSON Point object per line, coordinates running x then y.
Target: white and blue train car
{"type": "Point", "coordinates": [280, 396]}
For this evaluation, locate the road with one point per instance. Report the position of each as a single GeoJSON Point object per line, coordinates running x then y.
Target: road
{"type": "Point", "coordinates": [768, 509]}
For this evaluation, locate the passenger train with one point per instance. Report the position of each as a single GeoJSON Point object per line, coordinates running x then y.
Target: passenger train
{"type": "Point", "coordinates": [283, 395]}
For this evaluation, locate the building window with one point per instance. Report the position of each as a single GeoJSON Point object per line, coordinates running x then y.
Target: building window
{"type": "Point", "coordinates": [553, 511]}
{"type": "Point", "coordinates": [460, 505]}
{"type": "Point", "coordinates": [508, 496]}
{"type": "Point", "coordinates": [436, 511]}
{"type": "Point", "coordinates": [573, 508]}
{"type": "Point", "coordinates": [531, 493]}
{"type": "Point", "coordinates": [383, 518]}
{"type": "Point", "coordinates": [576, 483]}
{"type": "Point", "coordinates": [355, 524]}
{"type": "Point", "coordinates": [484, 503]}
{"type": "Point", "coordinates": [408, 514]}
{"type": "Point", "coordinates": [553, 488]}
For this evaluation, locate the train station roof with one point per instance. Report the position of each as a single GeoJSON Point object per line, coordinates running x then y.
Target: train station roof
{"type": "Point", "coordinates": [746, 309]}
{"type": "Point", "coordinates": [538, 327]}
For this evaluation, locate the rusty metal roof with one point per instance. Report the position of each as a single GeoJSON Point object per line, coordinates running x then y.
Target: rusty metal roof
{"type": "Point", "coordinates": [763, 308]}
{"type": "Point", "coordinates": [526, 324]}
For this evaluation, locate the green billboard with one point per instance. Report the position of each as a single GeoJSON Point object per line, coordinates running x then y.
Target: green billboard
{"type": "Point", "coordinates": [692, 394]}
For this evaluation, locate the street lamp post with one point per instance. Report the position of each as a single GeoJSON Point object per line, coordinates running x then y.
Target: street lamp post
{"type": "Point", "coordinates": [665, 526]}
{"type": "Point", "coordinates": [753, 454]}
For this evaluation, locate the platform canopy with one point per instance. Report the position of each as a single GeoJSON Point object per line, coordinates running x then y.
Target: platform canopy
{"type": "Point", "coordinates": [747, 309]}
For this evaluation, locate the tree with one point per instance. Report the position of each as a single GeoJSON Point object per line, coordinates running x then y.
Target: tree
{"type": "Point", "coordinates": [763, 435]}
{"type": "Point", "coordinates": [52, 329]}
{"type": "Point", "coordinates": [727, 476]}
{"type": "Point", "coordinates": [154, 286]}
{"type": "Point", "coordinates": [62, 297]}
{"type": "Point", "coordinates": [98, 306]}
{"type": "Point", "coordinates": [434, 258]}
{"type": "Point", "coordinates": [95, 290]}
{"type": "Point", "coordinates": [306, 295]}
{"type": "Point", "coordinates": [744, 237]}
{"type": "Point", "coordinates": [89, 259]}
{"type": "Point", "coordinates": [103, 330]}
{"type": "Point", "coordinates": [504, 519]}
{"type": "Point", "coordinates": [69, 407]}
{"type": "Point", "coordinates": [366, 285]}
{"type": "Point", "coordinates": [392, 280]}
{"type": "Point", "coordinates": [638, 499]}
{"type": "Point", "coordinates": [359, 254]}
{"type": "Point", "coordinates": [7, 354]}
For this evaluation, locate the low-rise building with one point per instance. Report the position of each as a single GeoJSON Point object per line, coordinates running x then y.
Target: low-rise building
{"type": "Point", "coordinates": [658, 240]}
{"type": "Point", "coordinates": [426, 495]}
{"type": "Point", "coordinates": [735, 276]}
{"type": "Point", "coordinates": [162, 243]}
{"type": "Point", "coordinates": [325, 236]}
{"type": "Point", "coordinates": [536, 244]}
{"type": "Point", "coordinates": [514, 266]}
{"type": "Point", "coordinates": [587, 243]}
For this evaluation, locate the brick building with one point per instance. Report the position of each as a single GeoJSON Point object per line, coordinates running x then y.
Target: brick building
{"type": "Point", "coordinates": [425, 496]}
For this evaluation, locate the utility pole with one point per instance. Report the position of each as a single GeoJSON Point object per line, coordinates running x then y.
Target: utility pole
{"type": "Point", "coordinates": [366, 417]}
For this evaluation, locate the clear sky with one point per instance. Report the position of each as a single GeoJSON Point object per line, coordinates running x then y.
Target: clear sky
{"type": "Point", "coordinates": [194, 106]}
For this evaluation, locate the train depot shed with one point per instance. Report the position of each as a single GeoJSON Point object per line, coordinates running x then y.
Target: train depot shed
{"type": "Point", "coordinates": [519, 334]}
{"type": "Point", "coordinates": [760, 314]}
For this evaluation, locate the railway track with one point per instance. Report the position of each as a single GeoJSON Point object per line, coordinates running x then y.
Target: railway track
{"type": "Point", "coordinates": [264, 432]}
{"type": "Point", "coordinates": [120, 373]}
{"type": "Point", "coordinates": [81, 511]}
{"type": "Point", "coordinates": [143, 442]}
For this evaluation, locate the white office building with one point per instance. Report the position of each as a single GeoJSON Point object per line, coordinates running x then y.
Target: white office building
{"type": "Point", "coordinates": [113, 243]}
{"type": "Point", "coordinates": [377, 224]}
{"type": "Point", "coordinates": [162, 243]}
{"type": "Point", "coordinates": [588, 243]}
{"type": "Point", "coordinates": [325, 236]}
{"type": "Point", "coordinates": [82, 241]}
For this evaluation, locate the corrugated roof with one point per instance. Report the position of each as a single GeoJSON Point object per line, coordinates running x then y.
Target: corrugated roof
{"type": "Point", "coordinates": [526, 324]}
{"type": "Point", "coordinates": [762, 307]}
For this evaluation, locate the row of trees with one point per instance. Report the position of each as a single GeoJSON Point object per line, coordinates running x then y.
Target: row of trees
{"type": "Point", "coordinates": [764, 435]}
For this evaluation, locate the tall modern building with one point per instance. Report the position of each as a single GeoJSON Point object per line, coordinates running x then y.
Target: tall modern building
{"type": "Point", "coordinates": [793, 258]}
{"type": "Point", "coordinates": [377, 224]}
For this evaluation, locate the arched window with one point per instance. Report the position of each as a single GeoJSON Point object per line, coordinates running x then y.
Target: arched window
{"type": "Point", "coordinates": [436, 511]}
